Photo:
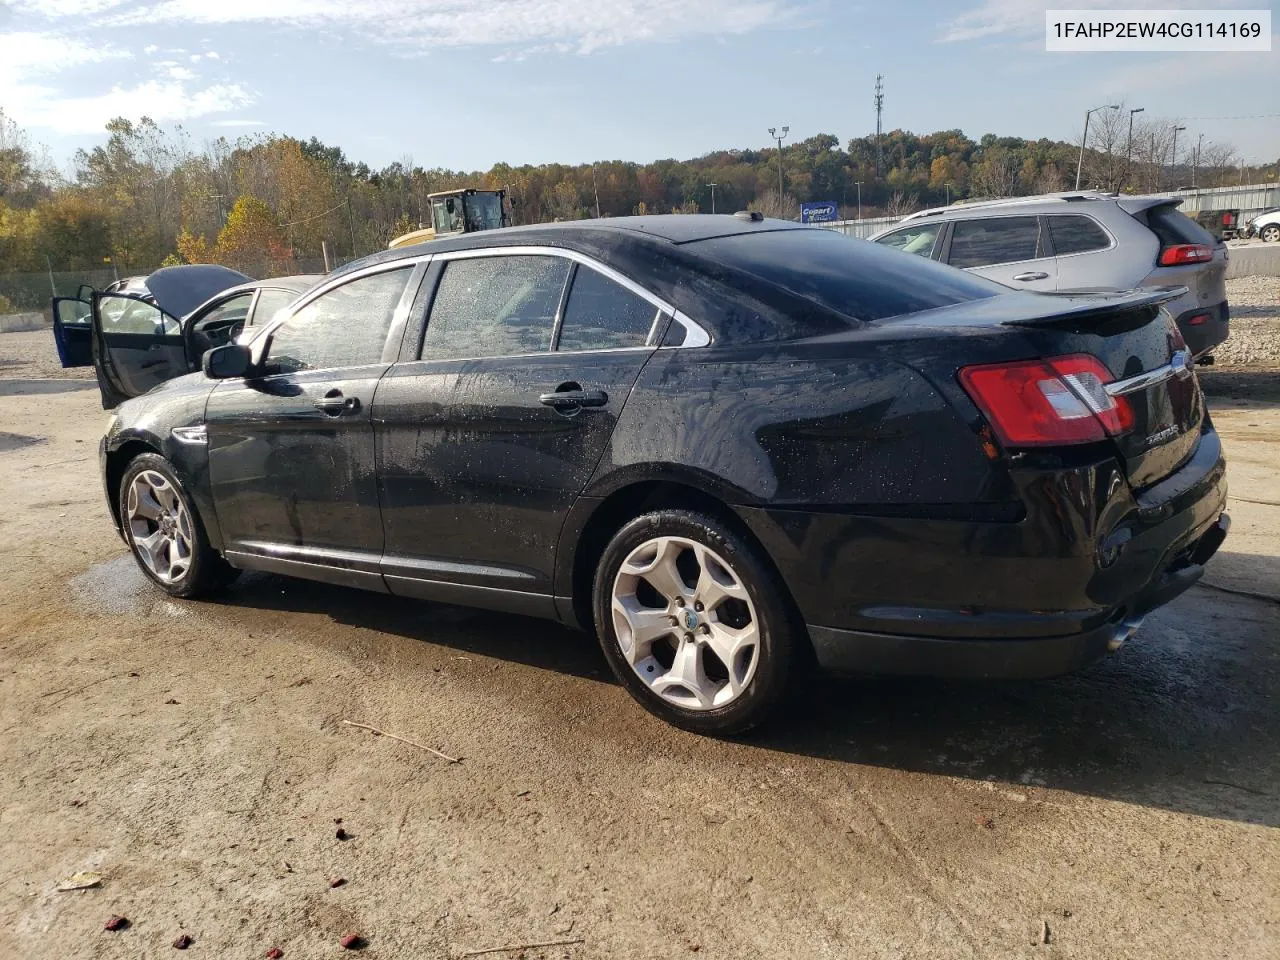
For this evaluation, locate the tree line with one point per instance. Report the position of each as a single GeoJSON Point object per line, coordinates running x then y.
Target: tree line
{"type": "Point", "coordinates": [265, 203]}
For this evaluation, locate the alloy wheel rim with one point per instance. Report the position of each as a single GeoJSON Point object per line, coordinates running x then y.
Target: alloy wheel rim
{"type": "Point", "coordinates": [685, 623]}
{"type": "Point", "coordinates": [159, 526]}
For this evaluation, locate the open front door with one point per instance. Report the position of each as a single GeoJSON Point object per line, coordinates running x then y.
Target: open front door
{"type": "Point", "coordinates": [72, 331]}
{"type": "Point", "coordinates": [136, 346]}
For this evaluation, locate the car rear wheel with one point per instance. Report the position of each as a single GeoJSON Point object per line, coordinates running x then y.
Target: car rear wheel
{"type": "Point", "coordinates": [165, 533]}
{"type": "Point", "coordinates": [693, 622]}
{"type": "Point", "coordinates": [1270, 233]}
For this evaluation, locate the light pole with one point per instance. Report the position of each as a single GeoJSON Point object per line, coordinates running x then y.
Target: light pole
{"type": "Point", "coordinates": [713, 195]}
{"type": "Point", "coordinates": [1085, 137]}
{"type": "Point", "coordinates": [1173, 160]}
{"type": "Point", "coordinates": [1128, 150]}
{"type": "Point", "coordinates": [1196, 160]}
{"type": "Point", "coordinates": [773, 132]}
{"type": "Point", "coordinates": [858, 184]}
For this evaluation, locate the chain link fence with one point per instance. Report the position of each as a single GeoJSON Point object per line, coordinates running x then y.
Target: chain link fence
{"type": "Point", "coordinates": [29, 292]}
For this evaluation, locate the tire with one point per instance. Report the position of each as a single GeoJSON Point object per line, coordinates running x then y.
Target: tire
{"type": "Point", "coordinates": [1270, 233]}
{"type": "Point", "coordinates": [165, 533]}
{"type": "Point", "coordinates": [714, 658]}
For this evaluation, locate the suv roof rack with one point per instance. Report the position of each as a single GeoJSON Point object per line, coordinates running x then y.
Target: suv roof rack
{"type": "Point", "coordinates": [1066, 196]}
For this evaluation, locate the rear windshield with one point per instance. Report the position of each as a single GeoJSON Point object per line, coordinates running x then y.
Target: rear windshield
{"type": "Point", "coordinates": [857, 278]}
{"type": "Point", "coordinates": [1173, 226]}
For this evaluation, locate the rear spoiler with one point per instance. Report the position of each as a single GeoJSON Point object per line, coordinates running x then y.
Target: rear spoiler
{"type": "Point", "coordinates": [1070, 310]}
{"type": "Point", "coordinates": [1132, 205]}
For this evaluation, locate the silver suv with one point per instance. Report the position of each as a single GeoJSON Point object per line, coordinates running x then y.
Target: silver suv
{"type": "Point", "coordinates": [1082, 241]}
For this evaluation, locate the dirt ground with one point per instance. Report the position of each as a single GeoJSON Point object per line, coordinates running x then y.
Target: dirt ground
{"type": "Point", "coordinates": [194, 755]}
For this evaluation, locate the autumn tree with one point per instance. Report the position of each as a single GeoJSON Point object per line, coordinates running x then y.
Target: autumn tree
{"type": "Point", "coordinates": [252, 241]}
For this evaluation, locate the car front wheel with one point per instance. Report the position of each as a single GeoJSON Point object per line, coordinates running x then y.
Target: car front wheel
{"type": "Point", "coordinates": [1270, 233]}
{"type": "Point", "coordinates": [165, 533]}
{"type": "Point", "coordinates": [693, 622]}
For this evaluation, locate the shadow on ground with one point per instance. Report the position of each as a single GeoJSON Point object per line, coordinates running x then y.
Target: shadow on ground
{"type": "Point", "coordinates": [1183, 718]}
{"type": "Point", "coordinates": [1240, 383]}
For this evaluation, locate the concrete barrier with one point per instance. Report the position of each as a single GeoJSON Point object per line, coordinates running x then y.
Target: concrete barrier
{"type": "Point", "coordinates": [1261, 260]}
{"type": "Point", "coordinates": [14, 322]}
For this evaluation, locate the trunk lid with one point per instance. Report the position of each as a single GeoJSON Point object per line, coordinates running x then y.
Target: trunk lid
{"type": "Point", "coordinates": [1137, 341]}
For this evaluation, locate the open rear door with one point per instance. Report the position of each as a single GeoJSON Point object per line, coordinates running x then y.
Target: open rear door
{"type": "Point", "coordinates": [136, 346]}
{"type": "Point", "coordinates": [73, 331]}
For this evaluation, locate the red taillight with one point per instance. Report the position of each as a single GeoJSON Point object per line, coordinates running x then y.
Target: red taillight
{"type": "Point", "coordinates": [1228, 219]}
{"type": "Point", "coordinates": [1051, 402]}
{"type": "Point", "coordinates": [1198, 319]}
{"type": "Point", "coordinates": [1176, 256]}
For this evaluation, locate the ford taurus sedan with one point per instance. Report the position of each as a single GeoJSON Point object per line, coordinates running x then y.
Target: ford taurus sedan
{"type": "Point", "coordinates": [729, 446]}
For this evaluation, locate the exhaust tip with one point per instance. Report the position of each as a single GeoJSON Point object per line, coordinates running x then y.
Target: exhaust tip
{"type": "Point", "coordinates": [1123, 632]}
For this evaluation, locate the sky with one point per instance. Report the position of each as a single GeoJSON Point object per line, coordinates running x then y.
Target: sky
{"type": "Point", "coordinates": [463, 84]}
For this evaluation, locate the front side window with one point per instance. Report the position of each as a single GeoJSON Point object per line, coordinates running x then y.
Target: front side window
{"type": "Point", "coordinates": [270, 302]}
{"type": "Point", "coordinates": [495, 307]}
{"type": "Point", "coordinates": [345, 327]}
{"type": "Point", "coordinates": [227, 313]}
{"type": "Point", "coordinates": [982, 243]}
{"type": "Point", "coordinates": [918, 239]}
{"type": "Point", "coordinates": [446, 215]}
{"type": "Point", "coordinates": [604, 315]}
{"type": "Point", "coordinates": [1077, 234]}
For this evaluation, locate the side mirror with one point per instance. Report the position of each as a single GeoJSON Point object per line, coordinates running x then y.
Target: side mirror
{"type": "Point", "coordinates": [227, 361]}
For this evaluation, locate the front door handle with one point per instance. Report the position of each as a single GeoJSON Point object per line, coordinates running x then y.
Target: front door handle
{"type": "Point", "coordinates": [334, 404]}
{"type": "Point", "coordinates": [575, 398]}
{"type": "Point", "coordinates": [1034, 275]}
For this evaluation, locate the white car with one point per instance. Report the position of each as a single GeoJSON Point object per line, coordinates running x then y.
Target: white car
{"type": "Point", "coordinates": [1266, 225]}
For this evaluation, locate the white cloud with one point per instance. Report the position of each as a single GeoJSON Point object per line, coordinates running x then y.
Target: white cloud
{"type": "Point", "coordinates": [1021, 17]}
{"type": "Point", "coordinates": [237, 123]}
{"type": "Point", "coordinates": [30, 62]}
{"type": "Point", "coordinates": [64, 8]}
{"type": "Point", "coordinates": [149, 49]}
{"type": "Point", "coordinates": [581, 25]}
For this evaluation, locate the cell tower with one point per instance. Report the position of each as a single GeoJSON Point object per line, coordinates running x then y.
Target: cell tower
{"type": "Point", "coordinates": [879, 111]}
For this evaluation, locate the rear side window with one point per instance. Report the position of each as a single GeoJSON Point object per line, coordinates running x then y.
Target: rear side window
{"type": "Point", "coordinates": [853, 277]}
{"type": "Point", "coordinates": [495, 307]}
{"type": "Point", "coordinates": [1173, 227]}
{"type": "Point", "coordinates": [918, 239]}
{"type": "Point", "coordinates": [604, 315]}
{"type": "Point", "coordinates": [982, 243]}
{"type": "Point", "coordinates": [1076, 234]}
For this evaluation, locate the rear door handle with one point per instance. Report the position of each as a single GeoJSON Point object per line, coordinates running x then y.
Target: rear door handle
{"type": "Point", "coordinates": [1032, 276]}
{"type": "Point", "coordinates": [574, 398]}
{"type": "Point", "coordinates": [334, 404]}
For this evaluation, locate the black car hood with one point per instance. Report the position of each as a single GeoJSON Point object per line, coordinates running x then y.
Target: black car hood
{"type": "Point", "coordinates": [179, 290]}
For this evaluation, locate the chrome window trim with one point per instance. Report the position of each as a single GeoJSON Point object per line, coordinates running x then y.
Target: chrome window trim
{"type": "Point", "coordinates": [663, 308]}
{"type": "Point", "coordinates": [694, 334]}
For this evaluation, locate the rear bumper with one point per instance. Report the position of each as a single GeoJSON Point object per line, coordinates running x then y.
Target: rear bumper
{"type": "Point", "coordinates": [853, 651]}
{"type": "Point", "coordinates": [1035, 597]}
{"type": "Point", "coordinates": [1202, 337]}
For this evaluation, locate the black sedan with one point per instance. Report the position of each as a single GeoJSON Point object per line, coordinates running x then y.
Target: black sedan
{"type": "Point", "coordinates": [727, 445]}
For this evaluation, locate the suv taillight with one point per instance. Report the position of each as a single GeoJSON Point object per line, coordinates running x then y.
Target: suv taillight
{"type": "Point", "coordinates": [1050, 402]}
{"type": "Point", "coordinates": [1178, 254]}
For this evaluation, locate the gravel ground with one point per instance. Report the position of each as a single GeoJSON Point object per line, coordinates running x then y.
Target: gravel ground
{"type": "Point", "coordinates": [1255, 323]}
